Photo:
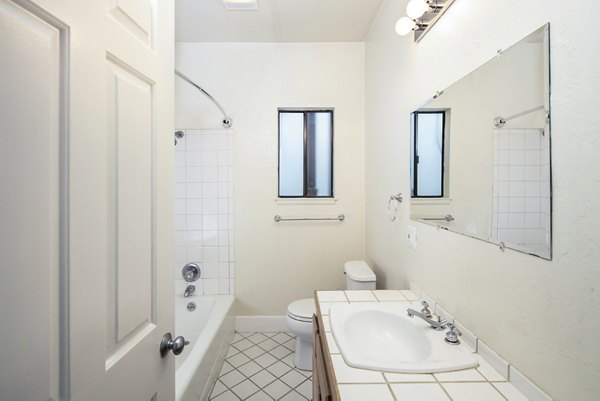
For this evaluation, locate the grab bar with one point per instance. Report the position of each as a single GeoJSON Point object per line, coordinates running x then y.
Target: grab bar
{"type": "Point", "coordinates": [339, 217]}
{"type": "Point", "coordinates": [447, 217]}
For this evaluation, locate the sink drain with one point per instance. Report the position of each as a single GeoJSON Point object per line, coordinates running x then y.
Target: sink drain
{"type": "Point", "coordinates": [191, 306]}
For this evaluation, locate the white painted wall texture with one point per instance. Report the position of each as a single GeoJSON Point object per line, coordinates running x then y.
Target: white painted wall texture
{"type": "Point", "coordinates": [539, 315]}
{"type": "Point", "coordinates": [280, 262]}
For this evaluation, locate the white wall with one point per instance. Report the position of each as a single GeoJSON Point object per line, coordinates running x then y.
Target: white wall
{"type": "Point", "coordinates": [279, 262]}
{"type": "Point", "coordinates": [539, 315]}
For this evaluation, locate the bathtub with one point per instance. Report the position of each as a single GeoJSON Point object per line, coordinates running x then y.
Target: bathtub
{"type": "Point", "coordinates": [210, 330]}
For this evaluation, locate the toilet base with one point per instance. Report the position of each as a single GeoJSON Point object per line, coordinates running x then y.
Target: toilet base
{"type": "Point", "coordinates": [303, 354]}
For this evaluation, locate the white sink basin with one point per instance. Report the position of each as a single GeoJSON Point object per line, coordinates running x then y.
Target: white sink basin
{"type": "Point", "coordinates": [381, 336]}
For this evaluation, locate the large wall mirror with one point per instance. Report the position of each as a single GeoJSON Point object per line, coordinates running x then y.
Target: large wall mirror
{"type": "Point", "coordinates": [480, 152]}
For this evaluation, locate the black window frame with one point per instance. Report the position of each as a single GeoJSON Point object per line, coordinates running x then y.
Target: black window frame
{"type": "Point", "coordinates": [304, 112]}
{"type": "Point", "coordinates": [415, 172]}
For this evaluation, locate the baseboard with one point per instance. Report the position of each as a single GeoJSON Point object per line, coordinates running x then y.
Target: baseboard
{"type": "Point", "coordinates": [260, 324]}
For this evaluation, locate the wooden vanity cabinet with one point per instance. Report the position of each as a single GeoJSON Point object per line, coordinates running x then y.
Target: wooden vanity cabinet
{"type": "Point", "coordinates": [324, 384]}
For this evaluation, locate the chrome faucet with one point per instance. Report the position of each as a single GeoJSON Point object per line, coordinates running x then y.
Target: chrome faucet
{"type": "Point", "coordinates": [426, 315]}
{"type": "Point", "coordinates": [452, 334]}
{"type": "Point", "coordinates": [189, 290]}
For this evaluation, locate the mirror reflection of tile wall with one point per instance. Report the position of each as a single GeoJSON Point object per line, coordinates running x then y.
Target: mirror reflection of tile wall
{"type": "Point", "coordinates": [521, 191]}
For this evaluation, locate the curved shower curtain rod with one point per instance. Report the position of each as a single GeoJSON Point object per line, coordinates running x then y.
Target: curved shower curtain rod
{"type": "Point", "coordinates": [227, 121]}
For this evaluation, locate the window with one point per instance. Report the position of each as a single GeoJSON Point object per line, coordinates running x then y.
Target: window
{"type": "Point", "coordinates": [428, 154]}
{"type": "Point", "coordinates": [305, 153]}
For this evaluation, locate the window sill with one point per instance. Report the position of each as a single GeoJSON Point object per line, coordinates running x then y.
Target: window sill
{"type": "Point", "coordinates": [425, 201]}
{"type": "Point", "coordinates": [306, 201]}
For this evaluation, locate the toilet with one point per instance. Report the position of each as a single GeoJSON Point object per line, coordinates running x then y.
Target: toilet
{"type": "Point", "coordinates": [359, 276]}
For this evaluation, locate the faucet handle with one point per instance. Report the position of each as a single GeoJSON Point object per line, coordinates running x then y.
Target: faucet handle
{"type": "Point", "coordinates": [452, 334]}
{"type": "Point", "coordinates": [425, 311]}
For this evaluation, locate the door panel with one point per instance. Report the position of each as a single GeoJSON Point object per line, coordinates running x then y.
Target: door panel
{"type": "Point", "coordinates": [130, 96]}
{"type": "Point", "coordinates": [135, 16]}
{"type": "Point", "coordinates": [31, 260]}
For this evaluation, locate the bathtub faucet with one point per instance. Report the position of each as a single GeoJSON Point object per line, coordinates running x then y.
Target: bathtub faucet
{"type": "Point", "coordinates": [189, 290]}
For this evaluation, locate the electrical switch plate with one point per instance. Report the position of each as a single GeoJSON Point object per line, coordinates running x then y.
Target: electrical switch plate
{"type": "Point", "coordinates": [412, 237]}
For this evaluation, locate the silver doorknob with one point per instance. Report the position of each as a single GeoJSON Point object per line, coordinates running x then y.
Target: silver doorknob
{"type": "Point", "coordinates": [167, 344]}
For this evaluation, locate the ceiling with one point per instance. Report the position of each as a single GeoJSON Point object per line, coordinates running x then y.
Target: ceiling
{"type": "Point", "coordinates": [275, 21]}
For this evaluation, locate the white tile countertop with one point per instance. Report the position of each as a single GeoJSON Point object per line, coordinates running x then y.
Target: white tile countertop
{"type": "Point", "coordinates": [488, 382]}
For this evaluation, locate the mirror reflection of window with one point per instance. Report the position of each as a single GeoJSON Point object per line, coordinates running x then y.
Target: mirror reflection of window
{"type": "Point", "coordinates": [427, 154]}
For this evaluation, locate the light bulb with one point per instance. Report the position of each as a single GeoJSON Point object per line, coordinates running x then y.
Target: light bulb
{"type": "Point", "coordinates": [404, 26]}
{"type": "Point", "coordinates": [416, 8]}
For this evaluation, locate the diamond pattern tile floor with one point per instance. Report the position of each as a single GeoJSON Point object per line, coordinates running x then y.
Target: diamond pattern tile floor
{"type": "Point", "coordinates": [260, 367]}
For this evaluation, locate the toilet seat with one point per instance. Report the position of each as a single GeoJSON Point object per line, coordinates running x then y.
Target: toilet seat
{"type": "Point", "coordinates": [302, 310]}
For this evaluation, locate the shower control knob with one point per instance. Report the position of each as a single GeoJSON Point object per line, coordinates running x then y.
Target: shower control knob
{"type": "Point", "coordinates": [168, 344]}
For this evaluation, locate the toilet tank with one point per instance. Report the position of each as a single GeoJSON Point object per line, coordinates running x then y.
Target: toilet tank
{"type": "Point", "coordinates": [359, 275]}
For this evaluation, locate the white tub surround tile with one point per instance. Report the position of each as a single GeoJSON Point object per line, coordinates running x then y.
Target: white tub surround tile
{"type": "Point", "coordinates": [360, 296]}
{"type": "Point", "coordinates": [203, 212]}
{"type": "Point", "coordinates": [389, 295]}
{"type": "Point", "coordinates": [362, 392]}
{"type": "Point", "coordinates": [408, 378]}
{"type": "Point", "coordinates": [420, 392]}
{"type": "Point", "coordinates": [493, 359]}
{"type": "Point", "coordinates": [347, 374]}
{"type": "Point", "coordinates": [525, 386]}
{"type": "Point", "coordinates": [467, 375]}
{"type": "Point", "coordinates": [473, 392]}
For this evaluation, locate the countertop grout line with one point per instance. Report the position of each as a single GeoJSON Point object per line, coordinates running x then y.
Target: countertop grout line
{"type": "Point", "coordinates": [442, 387]}
{"type": "Point", "coordinates": [389, 386]}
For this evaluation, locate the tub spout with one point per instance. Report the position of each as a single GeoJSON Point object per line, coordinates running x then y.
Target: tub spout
{"type": "Point", "coordinates": [189, 290]}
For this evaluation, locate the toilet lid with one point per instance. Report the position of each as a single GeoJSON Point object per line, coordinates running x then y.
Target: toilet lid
{"type": "Point", "coordinates": [302, 309]}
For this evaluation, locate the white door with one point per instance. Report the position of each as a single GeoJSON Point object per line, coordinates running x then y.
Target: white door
{"type": "Point", "coordinates": [86, 155]}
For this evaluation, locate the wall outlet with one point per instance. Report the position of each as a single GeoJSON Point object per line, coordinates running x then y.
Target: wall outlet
{"type": "Point", "coordinates": [412, 237]}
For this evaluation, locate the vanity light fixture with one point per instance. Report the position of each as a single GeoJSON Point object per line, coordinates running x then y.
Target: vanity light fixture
{"type": "Point", "coordinates": [422, 15]}
{"type": "Point", "coordinates": [241, 5]}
